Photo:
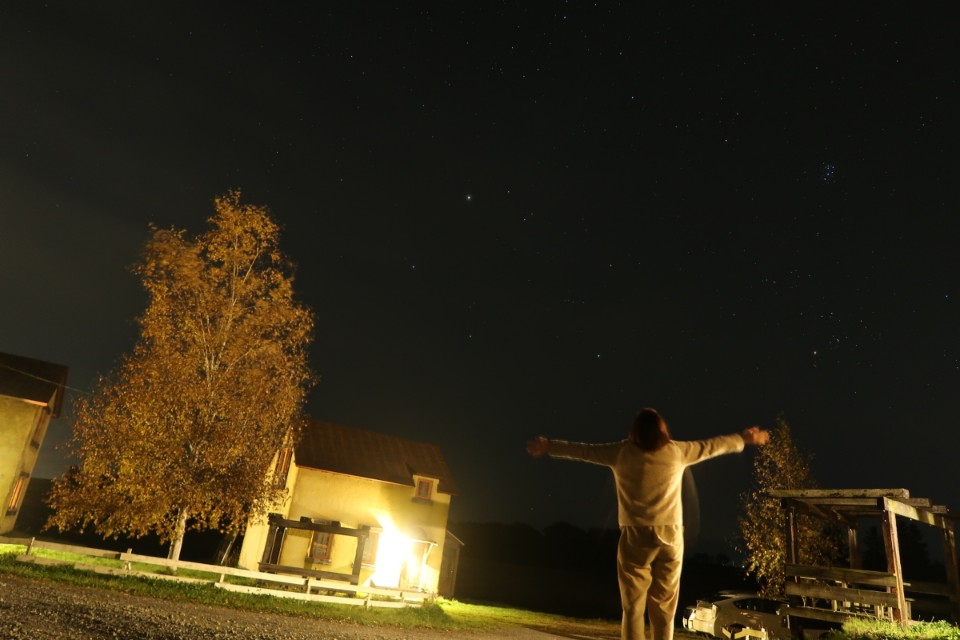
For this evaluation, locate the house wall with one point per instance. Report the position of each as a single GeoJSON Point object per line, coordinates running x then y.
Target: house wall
{"type": "Point", "coordinates": [255, 536]}
{"type": "Point", "coordinates": [356, 502]}
{"type": "Point", "coordinates": [19, 449]}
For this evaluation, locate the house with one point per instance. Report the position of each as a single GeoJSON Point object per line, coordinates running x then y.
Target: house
{"type": "Point", "coordinates": [31, 393]}
{"type": "Point", "coordinates": [363, 507]}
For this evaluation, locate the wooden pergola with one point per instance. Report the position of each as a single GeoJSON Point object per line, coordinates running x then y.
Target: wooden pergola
{"type": "Point", "coordinates": [834, 594]}
{"type": "Point", "coordinates": [278, 529]}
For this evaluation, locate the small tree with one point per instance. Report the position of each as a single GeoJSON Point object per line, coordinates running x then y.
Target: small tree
{"type": "Point", "coordinates": [781, 464]}
{"type": "Point", "coordinates": [186, 428]}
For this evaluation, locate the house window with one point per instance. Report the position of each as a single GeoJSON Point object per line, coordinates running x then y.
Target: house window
{"type": "Point", "coordinates": [13, 505]}
{"type": "Point", "coordinates": [424, 491]}
{"type": "Point", "coordinates": [370, 547]}
{"type": "Point", "coordinates": [321, 547]}
{"type": "Point", "coordinates": [283, 467]}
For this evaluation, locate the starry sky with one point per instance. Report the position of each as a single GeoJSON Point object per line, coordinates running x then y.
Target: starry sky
{"type": "Point", "coordinates": [514, 218]}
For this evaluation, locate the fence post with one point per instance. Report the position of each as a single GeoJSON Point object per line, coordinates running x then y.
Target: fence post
{"type": "Point", "coordinates": [30, 546]}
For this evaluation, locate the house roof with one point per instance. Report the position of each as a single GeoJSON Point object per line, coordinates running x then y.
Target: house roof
{"type": "Point", "coordinates": [368, 454]}
{"type": "Point", "coordinates": [34, 380]}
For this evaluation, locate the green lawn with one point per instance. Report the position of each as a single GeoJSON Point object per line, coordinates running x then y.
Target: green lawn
{"type": "Point", "coordinates": [442, 614]}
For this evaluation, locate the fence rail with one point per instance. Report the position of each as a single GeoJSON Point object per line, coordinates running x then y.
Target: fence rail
{"type": "Point", "coordinates": [280, 585]}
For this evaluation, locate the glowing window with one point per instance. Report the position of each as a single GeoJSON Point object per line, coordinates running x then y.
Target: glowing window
{"type": "Point", "coordinates": [18, 490]}
{"type": "Point", "coordinates": [370, 547]}
{"type": "Point", "coordinates": [283, 467]}
{"type": "Point", "coordinates": [424, 489]}
{"type": "Point", "coordinates": [321, 547]}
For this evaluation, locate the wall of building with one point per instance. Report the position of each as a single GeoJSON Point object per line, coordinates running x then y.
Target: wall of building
{"type": "Point", "coordinates": [22, 427]}
{"type": "Point", "coordinates": [402, 522]}
{"type": "Point", "coordinates": [255, 536]}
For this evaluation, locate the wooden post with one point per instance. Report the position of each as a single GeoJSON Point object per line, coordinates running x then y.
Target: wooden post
{"type": "Point", "coordinates": [891, 543]}
{"type": "Point", "coordinates": [358, 557]}
{"type": "Point", "coordinates": [268, 545]}
{"type": "Point", "coordinates": [790, 533]}
{"type": "Point", "coordinates": [950, 560]}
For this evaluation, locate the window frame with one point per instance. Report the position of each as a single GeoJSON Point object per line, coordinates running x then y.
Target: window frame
{"type": "Point", "coordinates": [282, 468]}
{"type": "Point", "coordinates": [423, 490]}
{"type": "Point", "coordinates": [371, 546]}
{"type": "Point", "coordinates": [327, 544]}
{"type": "Point", "coordinates": [16, 496]}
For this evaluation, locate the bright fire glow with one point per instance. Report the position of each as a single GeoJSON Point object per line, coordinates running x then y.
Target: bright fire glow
{"type": "Point", "coordinates": [395, 553]}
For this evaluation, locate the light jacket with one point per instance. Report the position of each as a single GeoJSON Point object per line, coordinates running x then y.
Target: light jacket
{"type": "Point", "coordinates": [648, 482]}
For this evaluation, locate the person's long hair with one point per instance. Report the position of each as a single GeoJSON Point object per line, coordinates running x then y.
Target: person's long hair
{"type": "Point", "coordinates": [649, 430]}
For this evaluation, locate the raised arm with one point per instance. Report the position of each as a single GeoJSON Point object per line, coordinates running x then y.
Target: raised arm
{"type": "Point", "coordinates": [602, 454]}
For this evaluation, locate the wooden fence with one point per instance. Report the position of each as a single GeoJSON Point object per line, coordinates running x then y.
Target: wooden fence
{"type": "Point", "coordinates": [273, 584]}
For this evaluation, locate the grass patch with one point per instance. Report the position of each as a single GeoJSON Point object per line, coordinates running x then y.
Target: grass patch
{"type": "Point", "coordinates": [881, 630]}
{"type": "Point", "coordinates": [428, 616]}
{"type": "Point", "coordinates": [448, 615]}
{"type": "Point", "coordinates": [143, 567]}
{"type": "Point", "coordinates": [489, 616]}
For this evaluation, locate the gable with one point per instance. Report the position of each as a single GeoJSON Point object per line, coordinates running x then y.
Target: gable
{"type": "Point", "coordinates": [367, 454]}
{"type": "Point", "coordinates": [33, 380]}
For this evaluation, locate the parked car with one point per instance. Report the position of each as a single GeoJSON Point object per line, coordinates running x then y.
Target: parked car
{"type": "Point", "coordinates": [736, 615]}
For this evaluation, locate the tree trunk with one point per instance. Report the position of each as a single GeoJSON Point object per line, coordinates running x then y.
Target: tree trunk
{"type": "Point", "coordinates": [176, 543]}
{"type": "Point", "coordinates": [222, 560]}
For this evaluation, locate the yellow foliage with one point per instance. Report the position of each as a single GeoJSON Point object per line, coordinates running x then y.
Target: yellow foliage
{"type": "Point", "coordinates": [189, 421]}
{"type": "Point", "coordinates": [781, 464]}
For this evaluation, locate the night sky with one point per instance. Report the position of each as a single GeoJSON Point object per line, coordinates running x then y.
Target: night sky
{"type": "Point", "coordinates": [521, 218]}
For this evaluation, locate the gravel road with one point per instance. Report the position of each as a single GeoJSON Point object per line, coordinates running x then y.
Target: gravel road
{"type": "Point", "coordinates": [37, 610]}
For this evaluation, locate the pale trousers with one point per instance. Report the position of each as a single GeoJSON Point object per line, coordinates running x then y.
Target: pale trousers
{"type": "Point", "coordinates": [649, 560]}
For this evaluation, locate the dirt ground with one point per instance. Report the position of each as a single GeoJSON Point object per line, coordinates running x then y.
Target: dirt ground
{"type": "Point", "coordinates": [37, 610]}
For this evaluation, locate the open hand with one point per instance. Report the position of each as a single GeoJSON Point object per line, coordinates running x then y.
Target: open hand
{"type": "Point", "coordinates": [538, 446]}
{"type": "Point", "coordinates": [755, 436]}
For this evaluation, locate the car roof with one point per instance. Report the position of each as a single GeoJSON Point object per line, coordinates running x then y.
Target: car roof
{"type": "Point", "coordinates": [730, 595]}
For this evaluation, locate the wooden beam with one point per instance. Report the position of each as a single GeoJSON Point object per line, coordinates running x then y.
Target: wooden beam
{"type": "Point", "coordinates": [842, 574]}
{"type": "Point", "coordinates": [358, 557]}
{"type": "Point", "coordinates": [842, 594]}
{"type": "Point", "coordinates": [913, 513]}
{"type": "Point", "coordinates": [891, 543]}
{"type": "Point", "coordinates": [311, 573]}
{"type": "Point", "coordinates": [838, 493]}
{"type": "Point", "coordinates": [950, 560]}
{"type": "Point", "coordinates": [790, 534]}
{"type": "Point", "coordinates": [268, 545]}
{"type": "Point", "coordinates": [863, 503]}
{"type": "Point", "coordinates": [307, 525]}
{"type": "Point", "coordinates": [813, 509]}
{"type": "Point", "coordinates": [823, 614]}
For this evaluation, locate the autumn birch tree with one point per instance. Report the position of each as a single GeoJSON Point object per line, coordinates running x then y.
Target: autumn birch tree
{"type": "Point", "coordinates": [184, 431]}
{"type": "Point", "coordinates": [781, 464]}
